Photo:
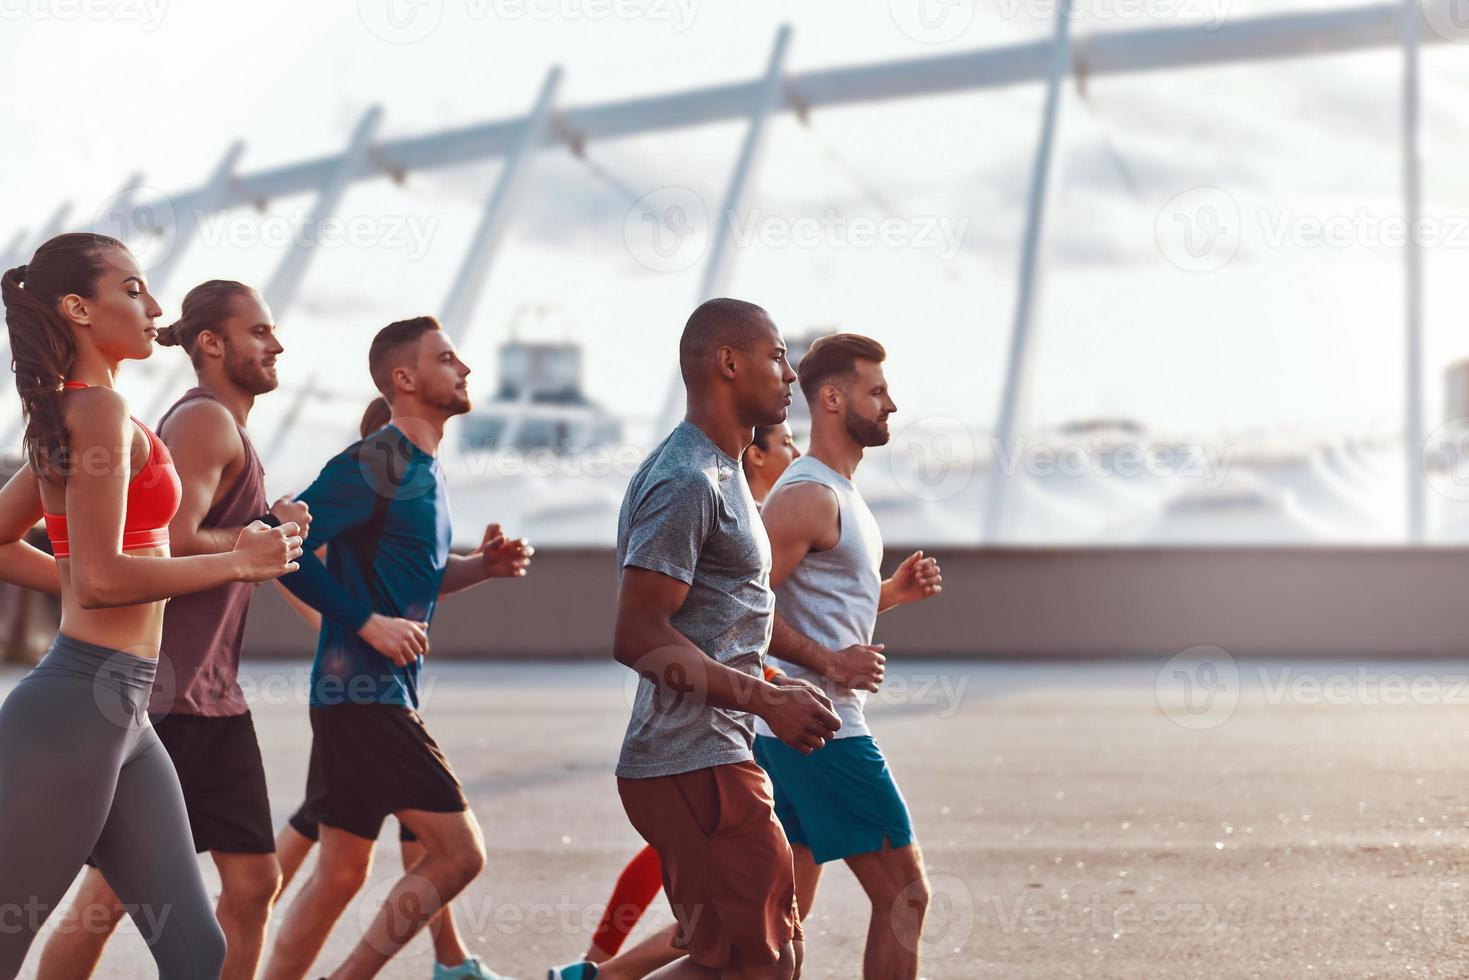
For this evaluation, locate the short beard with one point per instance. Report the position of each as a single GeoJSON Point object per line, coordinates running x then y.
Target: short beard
{"type": "Point", "coordinates": [864, 432]}
{"type": "Point", "coordinates": [247, 374]}
{"type": "Point", "coordinates": [453, 404]}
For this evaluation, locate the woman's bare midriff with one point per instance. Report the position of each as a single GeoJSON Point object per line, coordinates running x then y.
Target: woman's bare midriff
{"type": "Point", "coordinates": [136, 629]}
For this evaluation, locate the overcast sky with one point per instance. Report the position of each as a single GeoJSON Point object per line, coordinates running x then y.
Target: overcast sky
{"type": "Point", "coordinates": [1287, 332]}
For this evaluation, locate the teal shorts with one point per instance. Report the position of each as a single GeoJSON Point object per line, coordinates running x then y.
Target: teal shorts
{"type": "Point", "coordinates": [838, 801]}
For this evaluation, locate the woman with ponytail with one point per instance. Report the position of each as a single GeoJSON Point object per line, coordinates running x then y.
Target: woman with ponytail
{"type": "Point", "coordinates": [75, 730]}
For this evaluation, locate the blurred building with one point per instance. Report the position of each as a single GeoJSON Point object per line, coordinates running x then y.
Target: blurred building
{"type": "Point", "coordinates": [1456, 391]}
{"type": "Point", "coordinates": [540, 403]}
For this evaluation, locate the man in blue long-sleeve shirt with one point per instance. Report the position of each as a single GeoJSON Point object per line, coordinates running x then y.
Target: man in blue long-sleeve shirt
{"type": "Point", "coordinates": [383, 509]}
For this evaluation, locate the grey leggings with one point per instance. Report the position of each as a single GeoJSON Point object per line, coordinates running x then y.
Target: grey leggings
{"type": "Point", "coordinates": [83, 773]}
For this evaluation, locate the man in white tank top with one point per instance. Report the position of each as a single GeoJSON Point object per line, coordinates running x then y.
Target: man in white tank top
{"type": "Point", "coordinates": [841, 802]}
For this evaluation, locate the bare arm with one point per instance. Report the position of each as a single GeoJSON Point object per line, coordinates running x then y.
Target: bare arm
{"type": "Point", "coordinates": [202, 438]}
{"type": "Point", "coordinates": [96, 491]}
{"type": "Point", "coordinates": [20, 563]}
{"type": "Point", "coordinates": [916, 579]}
{"type": "Point", "coordinates": [496, 557]}
{"type": "Point", "coordinates": [801, 518]}
{"type": "Point", "coordinates": [645, 640]}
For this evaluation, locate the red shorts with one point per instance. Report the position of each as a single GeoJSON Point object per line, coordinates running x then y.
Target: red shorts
{"type": "Point", "coordinates": [726, 863]}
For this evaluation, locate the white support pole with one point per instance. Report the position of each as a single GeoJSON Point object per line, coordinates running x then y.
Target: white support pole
{"type": "Point", "coordinates": [281, 290]}
{"type": "Point", "coordinates": [1013, 400]}
{"type": "Point", "coordinates": [53, 227]}
{"type": "Point", "coordinates": [1303, 34]}
{"type": "Point", "coordinates": [769, 98]}
{"type": "Point", "coordinates": [207, 199]}
{"type": "Point", "coordinates": [121, 205]}
{"type": "Point", "coordinates": [497, 216]}
{"type": "Point", "coordinates": [469, 283]}
{"type": "Point", "coordinates": [1413, 275]}
{"type": "Point", "coordinates": [204, 201]}
{"type": "Point", "coordinates": [14, 250]}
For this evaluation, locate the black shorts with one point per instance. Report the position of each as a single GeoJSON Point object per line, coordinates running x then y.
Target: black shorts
{"type": "Point", "coordinates": [305, 824]}
{"type": "Point", "coordinates": [372, 760]}
{"type": "Point", "coordinates": [223, 778]}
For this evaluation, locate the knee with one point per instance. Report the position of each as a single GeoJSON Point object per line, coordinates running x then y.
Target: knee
{"type": "Point", "coordinates": [469, 863]}
{"type": "Point", "coordinates": [909, 904]}
{"type": "Point", "coordinates": [207, 949]}
{"type": "Point", "coordinates": [342, 879]}
{"type": "Point", "coordinates": [254, 893]}
{"type": "Point", "coordinates": [214, 952]}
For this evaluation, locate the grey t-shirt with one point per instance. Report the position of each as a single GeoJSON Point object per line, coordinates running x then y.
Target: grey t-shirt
{"type": "Point", "coordinates": [689, 514]}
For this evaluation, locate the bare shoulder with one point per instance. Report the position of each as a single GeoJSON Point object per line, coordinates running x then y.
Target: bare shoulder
{"type": "Point", "coordinates": [803, 501]}
{"type": "Point", "coordinates": [95, 410]}
{"type": "Point", "coordinates": [204, 430]}
{"type": "Point", "coordinates": [202, 418]}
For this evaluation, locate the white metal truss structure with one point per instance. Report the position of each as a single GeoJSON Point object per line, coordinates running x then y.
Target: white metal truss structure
{"type": "Point", "coordinates": [1050, 62]}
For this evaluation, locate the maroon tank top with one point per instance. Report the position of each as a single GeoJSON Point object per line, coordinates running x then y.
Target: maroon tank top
{"type": "Point", "coordinates": [199, 664]}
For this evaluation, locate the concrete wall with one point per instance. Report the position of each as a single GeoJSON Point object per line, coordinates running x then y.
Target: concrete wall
{"type": "Point", "coordinates": [1023, 602]}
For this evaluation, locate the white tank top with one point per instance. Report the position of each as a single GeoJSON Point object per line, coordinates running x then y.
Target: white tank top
{"type": "Point", "coordinates": [832, 596]}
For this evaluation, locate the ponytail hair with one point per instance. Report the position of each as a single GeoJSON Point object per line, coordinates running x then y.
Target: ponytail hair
{"type": "Point", "coordinates": [205, 307]}
{"type": "Point", "coordinates": [42, 347]}
{"type": "Point", "coordinates": [376, 416]}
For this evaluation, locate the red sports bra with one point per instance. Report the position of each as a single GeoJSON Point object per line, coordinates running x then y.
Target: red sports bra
{"type": "Point", "coordinates": [152, 500]}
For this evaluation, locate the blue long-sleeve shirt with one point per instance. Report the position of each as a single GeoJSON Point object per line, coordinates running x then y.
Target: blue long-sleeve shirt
{"type": "Point", "coordinates": [382, 507]}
